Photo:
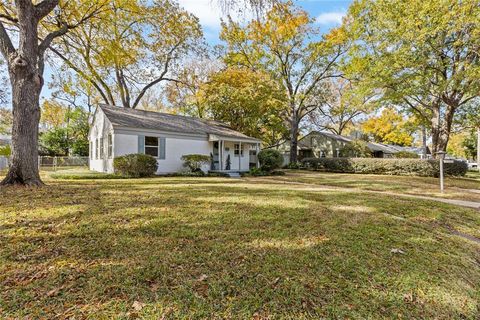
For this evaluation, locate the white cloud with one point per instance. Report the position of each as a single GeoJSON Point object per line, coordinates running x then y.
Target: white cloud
{"type": "Point", "coordinates": [329, 18]}
{"type": "Point", "coordinates": [210, 13]}
{"type": "Point", "coordinates": [206, 10]}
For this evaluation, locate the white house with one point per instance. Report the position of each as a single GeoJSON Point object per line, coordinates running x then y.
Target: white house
{"type": "Point", "coordinates": [117, 131]}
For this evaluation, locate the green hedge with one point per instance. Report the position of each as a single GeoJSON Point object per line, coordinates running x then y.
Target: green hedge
{"type": "Point", "coordinates": [270, 159]}
{"type": "Point", "coordinates": [135, 165]}
{"type": "Point", "coordinates": [414, 167]}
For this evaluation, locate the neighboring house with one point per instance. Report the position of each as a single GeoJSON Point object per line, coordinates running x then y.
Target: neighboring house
{"type": "Point", "coordinates": [321, 144]}
{"type": "Point", "coordinates": [417, 150]}
{"type": "Point", "coordinates": [326, 144]}
{"type": "Point", "coordinates": [5, 140]}
{"type": "Point", "coordinates": [117, 131]}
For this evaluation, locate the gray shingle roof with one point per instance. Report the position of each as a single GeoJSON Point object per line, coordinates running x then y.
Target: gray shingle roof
{"type": "Point", "coordinates": [374, 146]}
{"type": "Point", "coordinates": [149, 120]}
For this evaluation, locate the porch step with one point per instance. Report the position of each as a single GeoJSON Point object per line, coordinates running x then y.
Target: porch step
{"type": "Point", "coordinates": [233, 174]}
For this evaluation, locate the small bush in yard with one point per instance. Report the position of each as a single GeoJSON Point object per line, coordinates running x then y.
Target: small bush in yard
{"type": "Point", "coordinates": [194, 162]}
{"type": "Point", "coordinates": [135, 165]}
{"type": "Point", "coordinates": [294, 165]}
{"type": "Point", "coordinates": [270, 159]}
{"type": "Point", "coordinates": [417, 167]}
{"type": "Point", "coordinates": [258, 172]}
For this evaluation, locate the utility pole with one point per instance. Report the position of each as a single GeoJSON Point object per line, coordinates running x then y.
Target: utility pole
{"type": "Point", "coordinates": [441, 156]}
{"type": "Point", "coordinates": [478, 149]}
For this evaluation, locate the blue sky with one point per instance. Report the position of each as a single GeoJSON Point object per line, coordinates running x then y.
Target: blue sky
{"type": "Point", "coordinates": [327, 12]}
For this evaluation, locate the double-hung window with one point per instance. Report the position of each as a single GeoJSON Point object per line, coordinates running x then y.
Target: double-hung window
{"type": "Point", "coordinates": [238, 149]}
{"type": "Point", "coordinates": [91, 150]}
{"type": "Point", "coordinates": [96, 148]}
{"type": "Point", "coordinates": [102, 152]}
{"type": "Point", "coordinates": [151, 146]}
{"type": "Point", "coordinates": [109, 146]}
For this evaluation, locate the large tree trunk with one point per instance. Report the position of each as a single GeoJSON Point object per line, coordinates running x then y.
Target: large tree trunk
{"type": "Point", "coordinates": [26, 87]}
{"type": "Point", "coordinates": [441, 128]}
{"type": "Point", "coordinates": [25, 68]}
{"type": "Point", "coordinates": [435, 124]}
{"type": "Point", "coordinates": [293, 139]}
{"type": "Point", "coordinates": [424, 141]}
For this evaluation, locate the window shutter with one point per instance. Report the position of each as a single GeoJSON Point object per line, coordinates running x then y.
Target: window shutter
{"type": "Point", "coordinates": [141, 144]}
{"type": "Point", "coordinates": [161, 148]}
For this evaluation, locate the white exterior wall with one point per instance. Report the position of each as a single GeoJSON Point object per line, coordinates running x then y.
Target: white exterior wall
{"type": "Point", "coordinates": [124, 144]}
{"type": "Point", "coordinates": [125, 141]}
{"type": "Point", "coordinates": [101, 128]}
{"type": "Point", "coordinates": [175, 148]}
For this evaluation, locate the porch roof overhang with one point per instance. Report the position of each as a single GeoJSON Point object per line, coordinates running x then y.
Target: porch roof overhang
{"type": "Point", "coordinates": [216, 137]}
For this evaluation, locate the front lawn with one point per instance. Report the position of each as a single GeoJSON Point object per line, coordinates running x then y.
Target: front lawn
{"type": "Point", "coordinates": [466, 188]}
{"type": "Point", "coordinates": [226, 248]}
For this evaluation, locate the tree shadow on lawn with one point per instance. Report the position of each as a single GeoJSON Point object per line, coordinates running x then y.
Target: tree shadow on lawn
{"type": "Point", "coordinates": [230, 251]}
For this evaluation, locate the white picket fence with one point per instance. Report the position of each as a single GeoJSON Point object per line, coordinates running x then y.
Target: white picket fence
{"type": "Point", "coordinates": [52, 163]}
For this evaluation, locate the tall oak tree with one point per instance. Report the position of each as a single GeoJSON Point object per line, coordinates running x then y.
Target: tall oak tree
{"type": "Point", "coordinates": [33, 25]}
{"type": "Point", "coordinates": [287, 44]}
{"type": "Point", "coordinates": [421, 54]}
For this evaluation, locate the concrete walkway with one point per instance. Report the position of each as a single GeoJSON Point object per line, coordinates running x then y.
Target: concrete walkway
{"type": "Point", "coordinates": [310, 186]}
{"type": "Point", "coordinates": [461, 203]}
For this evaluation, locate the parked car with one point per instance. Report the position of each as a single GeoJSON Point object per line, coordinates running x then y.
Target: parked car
{"type": "Point", "coordinates": [472, 165]}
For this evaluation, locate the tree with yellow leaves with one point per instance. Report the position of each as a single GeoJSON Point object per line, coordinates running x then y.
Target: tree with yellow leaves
{"type": "Point", "coordinates": [130, 47]}
{"type": "Point", "coordinates": [419, 54]}
{"type": "Point", "coordinates": [287, 44]}
{"type": "Point", "coordinates": [390, 127]}
{"type": "Point", "coordinates": [248, 101]}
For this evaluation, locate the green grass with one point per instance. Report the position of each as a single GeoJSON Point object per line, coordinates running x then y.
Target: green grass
{"type": "Point", "coordinates": [81, 174]}
{"type": "Point", "coordinates": [224, 248]}
{"type": "Point", "coordinates": [473, 174]}
{"type": "Point", "coordinates": [466, 188]}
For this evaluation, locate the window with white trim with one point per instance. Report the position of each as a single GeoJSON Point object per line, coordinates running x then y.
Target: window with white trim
{"type": "Point", "coordinates": [151, 146]}
{"type": "Point", "coordinates": [96, 148]}
{"type": "Point", "coordinates": [109, 146]}
{"type": "Point", "coordinates": [102, 152]}
{"type": "Point", "coordinates": [91, 150]}
{"type": "Point", "coordinates": [237, 150]}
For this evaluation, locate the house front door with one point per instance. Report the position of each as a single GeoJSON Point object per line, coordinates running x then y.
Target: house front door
{"type": "Point", "coordinates": [216, 156]}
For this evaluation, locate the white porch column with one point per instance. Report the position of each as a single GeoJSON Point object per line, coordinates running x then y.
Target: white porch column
{"type": "Point", "coordinates": [258, 150]}
{"type": "Point", "coordinates": [240, 157]}
{"type": "Point", "coordinates": [220, 157]}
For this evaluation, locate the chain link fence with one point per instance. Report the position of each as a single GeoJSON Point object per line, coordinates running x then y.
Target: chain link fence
{"type": "Point", "coordinates": [60, 163]}
{"type": "Point", "coordinates": [52, 163]}
{"type": "Point", "coordinates": [4, 162]}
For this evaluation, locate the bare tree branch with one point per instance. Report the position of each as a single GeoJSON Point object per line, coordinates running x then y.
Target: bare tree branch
{"type": "Point", "coordinates": [44, 8]}
{"type": "Point", "coordinates": [6, 46]}
{"type": "Point", "coordinates": [158, 79]}
{"type": "Point", "coordinates": [80, 72]}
